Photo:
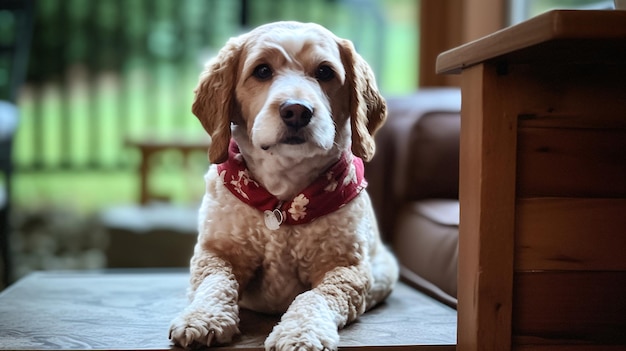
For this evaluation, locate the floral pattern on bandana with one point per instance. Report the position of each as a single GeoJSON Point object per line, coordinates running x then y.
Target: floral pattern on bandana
{"type": "Point", "coordinates": [243, 180]}
{"type": "Point", "coordinates": [351, 177]}
{"type": "Point", "coordinates": [298, 207]}
{"type": "Point", "coordinates": [332, 184]}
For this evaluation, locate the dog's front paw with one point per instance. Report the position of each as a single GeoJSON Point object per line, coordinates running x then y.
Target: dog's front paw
{"type": "Point", "coordinates": [202, 327]}
{"type": "Point", "coordinates": [299, 334]}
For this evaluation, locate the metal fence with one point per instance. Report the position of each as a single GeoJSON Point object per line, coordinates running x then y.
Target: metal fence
{"type": "Point", "coordinates": [102, 71]}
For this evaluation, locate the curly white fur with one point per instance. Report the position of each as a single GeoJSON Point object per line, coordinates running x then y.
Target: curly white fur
{"type": "Point", "coordinates": [321, 275]}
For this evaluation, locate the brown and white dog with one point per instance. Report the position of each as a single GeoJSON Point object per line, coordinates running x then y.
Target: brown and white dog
{"type": "Point", "coordinates": [285, 225]}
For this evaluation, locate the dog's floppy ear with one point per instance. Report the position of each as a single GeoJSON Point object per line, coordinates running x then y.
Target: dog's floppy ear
{"type": "Point", "coordinates": [215, 102]}
{"type": "Point", "coordinates": [368, 109]}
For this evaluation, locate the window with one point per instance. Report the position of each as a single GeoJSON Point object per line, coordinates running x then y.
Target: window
{"type": "Point", "coordinates": [520, 10]}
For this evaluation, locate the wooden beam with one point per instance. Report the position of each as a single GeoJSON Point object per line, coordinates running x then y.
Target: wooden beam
{"type": "Point", "coordinates": [440, 30]}
{"type": "Point", "coordinates": [445, 24]}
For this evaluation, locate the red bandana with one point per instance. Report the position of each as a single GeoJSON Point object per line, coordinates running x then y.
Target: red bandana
{"type": "Point", "coordinates": [337, 186]}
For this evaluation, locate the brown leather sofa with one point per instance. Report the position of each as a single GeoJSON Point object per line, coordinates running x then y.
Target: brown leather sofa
{"type": "Point", "coordinates": [413, 182]}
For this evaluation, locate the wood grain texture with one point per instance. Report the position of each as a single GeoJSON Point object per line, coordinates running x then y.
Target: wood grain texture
{"type": "Point", "coordinates": [572, 128]}
{"type": "Point", "coordinates": [487, 197]}
{"type": "Point", "coordinates": [569, 95]}
{"type": "Point", "coordinates": [570, 234]}
{"type": "Point", "coordinates": [570, 308]}
{"type": "Point", "coordinates": [571, 162]}
{"type": "Point", "coordinates": [121, 311]}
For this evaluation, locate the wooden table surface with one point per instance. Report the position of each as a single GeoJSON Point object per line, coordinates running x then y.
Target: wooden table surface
{"type": "Point", "coordinates": [122, 310]}
{"type": "Point", "coordinates": [557, 36]}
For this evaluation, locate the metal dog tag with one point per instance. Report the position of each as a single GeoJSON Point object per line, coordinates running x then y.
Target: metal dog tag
{"type": "Point", "coordinates": [273, 219]}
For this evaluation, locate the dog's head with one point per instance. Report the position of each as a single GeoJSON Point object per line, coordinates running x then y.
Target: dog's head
{"type": "Point", "coordinates": [293, 87]}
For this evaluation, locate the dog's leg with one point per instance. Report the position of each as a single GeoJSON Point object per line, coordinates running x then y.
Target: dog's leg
{"type": "Point", "coordinates": [313, 318]}
{"type": "Point", "coordinates": [212, 315]}
{"type": "Point", "coordinates": [385, 274]}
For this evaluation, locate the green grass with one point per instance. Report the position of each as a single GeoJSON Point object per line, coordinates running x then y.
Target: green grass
{"type": "Point", "coordinates": [88, 192]}
{"type": "Point", "coordinates": [81, 191]}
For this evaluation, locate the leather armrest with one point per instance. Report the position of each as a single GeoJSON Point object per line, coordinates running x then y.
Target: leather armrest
{"type": "Point", "coordinates": [416, 153]}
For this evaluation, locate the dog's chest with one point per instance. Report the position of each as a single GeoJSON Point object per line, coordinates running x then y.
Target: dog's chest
{"type": "Point", "coordinates": [293, 259]}
{"type": "Point", "coordinates": [276, 281]}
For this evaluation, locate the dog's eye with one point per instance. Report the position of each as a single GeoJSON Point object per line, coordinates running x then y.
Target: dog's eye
{"type": "Point", "coordinates": [324, 73]}
{"type": "Point", "coordinates": [262, 72]}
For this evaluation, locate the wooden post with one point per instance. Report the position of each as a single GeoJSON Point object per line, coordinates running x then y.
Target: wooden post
{"type": "Point", "coordinates": [487, 186]}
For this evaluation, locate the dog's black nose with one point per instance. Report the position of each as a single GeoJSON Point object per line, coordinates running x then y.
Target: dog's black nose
{"type": "Point", "coordinates": [296, 114]}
